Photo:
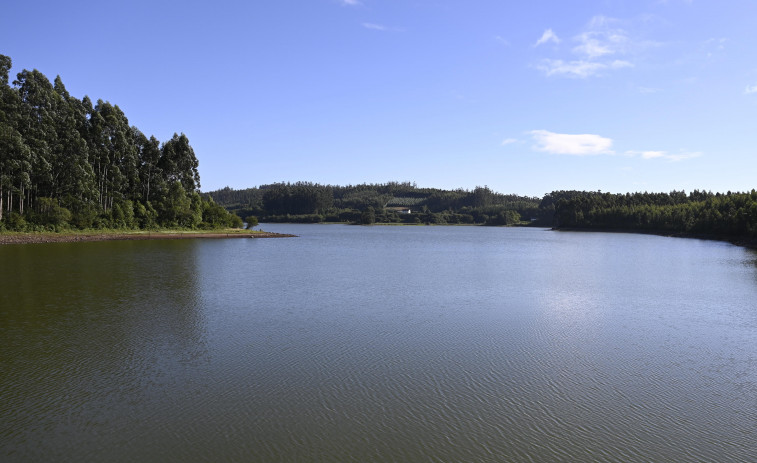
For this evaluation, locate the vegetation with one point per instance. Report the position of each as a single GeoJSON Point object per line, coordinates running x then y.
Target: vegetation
{"type": "Point", "coordinates": [730, 215]}
{"type": "Point", "coordinates": [391, 202]}
{"type": "Point", "coordinates": [67, 163]}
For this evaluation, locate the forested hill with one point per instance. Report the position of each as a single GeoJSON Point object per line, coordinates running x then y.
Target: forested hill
{"type": "Point", "coordinates": [69, 163]}
{"type": "Point", "coordinates": [387, 203]}
{"type": "Point", "coordinates": [718, 215]}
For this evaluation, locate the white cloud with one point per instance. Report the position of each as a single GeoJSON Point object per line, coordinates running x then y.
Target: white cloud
{"type": "Point", "coordinates": [597, 43]}
{"type": "Point", "coordinates": [573, 144]}
{"type": "Point", "coordinates": [547, 36]}
{"type": "Point", "coordinates": [648, 154]}
{"type": "Point", "coordinates": [750, 89]}
{"type": "Point", "coordinates": [509, 141]}
{"type": "Point", "coordinates": [375, 27]}
{"type": "Point", "coordinates": [601, 46]}
{"type": "Point", "coordinates": [682, 156]}
{"type": "Point", "coordinates": [350, 2]}
{"type": "Point", "coordinates": [580, 68]}
{"type": "Point", "coordinates": [649, 90]}
{"type": "Point", "coordinates": [502, 40]}
{"type": "Point", "coordinates": [717, 42]}
{"type": "Point", "coordinates": [591, 144]}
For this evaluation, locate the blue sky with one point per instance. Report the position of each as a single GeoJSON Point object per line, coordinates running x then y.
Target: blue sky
{"type": "Point", "coordinates": [525, 97]}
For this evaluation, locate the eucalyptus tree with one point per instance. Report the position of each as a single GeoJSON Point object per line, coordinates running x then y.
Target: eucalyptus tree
{"type": "Point", "coordinates": [72, 174]}
{"type": "Point", "coordinates": [179, 164]}
{"type": "Point", "coordinates": [148, 157]}
{"type": "Point", "coordinates": [115, 154]}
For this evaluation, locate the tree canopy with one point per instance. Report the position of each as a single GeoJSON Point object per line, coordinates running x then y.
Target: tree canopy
{"type": "Point", "coordinates": [386, 203]}
{"type": "Point", "coordinates": [66, 162]}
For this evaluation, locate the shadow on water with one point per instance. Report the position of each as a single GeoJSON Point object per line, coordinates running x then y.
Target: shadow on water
{"type": "Point", "coordinates": [90, 331]}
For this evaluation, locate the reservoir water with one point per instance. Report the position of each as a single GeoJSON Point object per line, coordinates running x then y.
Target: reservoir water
{"type": "Point", "coordinates": [380, 344]}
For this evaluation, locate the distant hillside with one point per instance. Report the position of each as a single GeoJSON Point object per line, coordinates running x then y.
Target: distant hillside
{"type": "Point", "coordinates": [391, 202]}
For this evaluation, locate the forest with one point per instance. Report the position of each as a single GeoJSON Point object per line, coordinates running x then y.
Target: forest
{"type": "Point", "coordinates": [728, 215]}
{"type": "Point", "coordinates": [391, 202]}
{"type": "Point", "coordinates": [699, 213]}
{"type": "Point", "coordinates": [69, 163]}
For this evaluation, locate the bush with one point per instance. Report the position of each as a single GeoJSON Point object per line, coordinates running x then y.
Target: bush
{"type": "Point", "coordinates": [51, 214]}
{"type": "Point", "coordinates": [252, 221]}
{"type": "Point", "coordinates": [15, 222]}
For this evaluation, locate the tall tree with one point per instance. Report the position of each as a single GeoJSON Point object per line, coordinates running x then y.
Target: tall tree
{"type": "Point", "coordinates": [178, 163]}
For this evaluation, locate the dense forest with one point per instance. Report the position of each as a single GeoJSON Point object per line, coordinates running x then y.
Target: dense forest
{"type": "Point", "coordinates": [391, 202]}
{"type": "Point", "coordinates": [69, 163]}
{"type": "Point", "coordinates": [700, 213]}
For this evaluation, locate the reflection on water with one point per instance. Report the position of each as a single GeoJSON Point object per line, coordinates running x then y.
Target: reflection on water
{"type": "Point", "coordinates": [90, 330]}
{"type": "Point", "coordinates": [380, 344]}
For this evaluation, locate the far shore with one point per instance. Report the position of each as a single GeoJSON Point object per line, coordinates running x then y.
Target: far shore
{"type": "Point", "coordinates": [743, 242]}
{"type": "Point", "coordinates": [98, 235]}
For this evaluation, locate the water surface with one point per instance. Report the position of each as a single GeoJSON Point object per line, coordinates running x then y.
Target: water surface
{"type": "Point", "coordinates": [380, 344]}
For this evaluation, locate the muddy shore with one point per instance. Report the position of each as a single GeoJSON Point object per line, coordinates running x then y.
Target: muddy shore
{"type": "Point", "coordinates": [31, 238]}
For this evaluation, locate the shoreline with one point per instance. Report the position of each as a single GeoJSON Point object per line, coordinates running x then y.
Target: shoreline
{"type": "Point", "coordinates": [76, 237]}
{"type": "Point", "coordinates": [742, 242]}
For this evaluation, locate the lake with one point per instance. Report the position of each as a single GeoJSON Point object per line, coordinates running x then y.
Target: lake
{"type": "Point", "coordinates": [374, 344]}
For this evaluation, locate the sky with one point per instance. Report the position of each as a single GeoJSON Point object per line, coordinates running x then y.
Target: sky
{"type": "Point", "coordinates": [524, 97]}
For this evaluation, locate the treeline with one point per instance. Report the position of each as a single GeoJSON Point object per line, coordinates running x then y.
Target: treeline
{"type": "Point", "coordinates": [392, 202]}
{"type": "Point", "coordinates": [719, 215]}
{"type": "Point", "coordinates": [729, 215]}
{"type": "Point", "coordinates": [69, 163]}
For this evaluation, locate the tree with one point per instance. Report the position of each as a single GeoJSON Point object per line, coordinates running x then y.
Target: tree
{"type": "Point", "coordinates": [178, 163]}
{"type": "Point", "coordinates": [368, 216]}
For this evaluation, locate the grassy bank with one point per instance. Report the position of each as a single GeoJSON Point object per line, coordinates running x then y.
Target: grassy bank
{"type": "Point", "coordinates": [70, 236]}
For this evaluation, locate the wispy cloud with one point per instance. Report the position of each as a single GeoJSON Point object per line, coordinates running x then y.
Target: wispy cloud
{"type": "Point", "coordinates": [375, 27]}
{"type": "Point", "coordinates": [576, 145]}
{"type": "Point", "coordinates": [579, 68]}
{"type": "Point", "coordinates": [350, 2]}
{"type": "Point", "coordinates": [601, 39]}
{"type": "Point", "coordinates": [649, 90]}
{"type": "Point", "coordinates": [750, 89]}
{"type": "Point", "coordinates": [588, 144]}
{"type": "Point", "coordinates": [681, 156]}
{"type": "Point", "coordinates": [547, 36]}
{"type": "Point", "coordinates": [502, 40]}
{"type": "Point", "coordinates": [714, 46]}
{"type": "Point", "coordinates": [509, 141]}
{"type": "Point", "coordinates": [602, 46]}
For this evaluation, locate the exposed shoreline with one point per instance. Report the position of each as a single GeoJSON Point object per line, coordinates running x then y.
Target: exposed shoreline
{"type": "Point", "coordinates": [746, 243]}
{"type": "Point", "coordinates": [51, 237]}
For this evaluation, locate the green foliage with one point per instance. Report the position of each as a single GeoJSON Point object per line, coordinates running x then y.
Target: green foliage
{"type": "Point", "coordinates": [308, 202]}
{"type": "Point", "coordinates": [15, 222]}
{"type": "Point", "coordinates": [368, 216]}
{"type": "Point", "coordinates": [235, 221]}
{"type": "Point", "coordinates": [66, 162]}
{"type": "Point", "coordinates": [704, 213]}
{"type": "Point", "coordinates": [252, 221]}
{"type": "Point", "coordinates": [50, 213]}
{"type": "Point", "coordinates": [215, 216]}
